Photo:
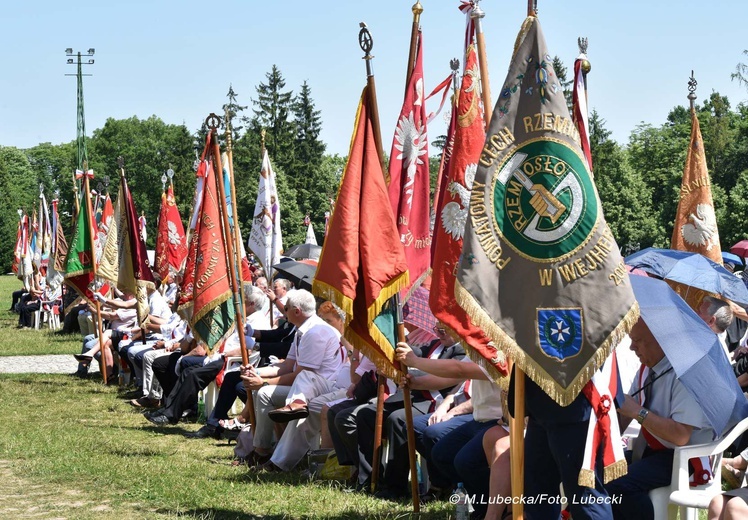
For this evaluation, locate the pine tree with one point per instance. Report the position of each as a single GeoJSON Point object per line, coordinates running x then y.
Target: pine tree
{"type": "Point", "coordinates": [232, 109]}
{"type": "Point", "coordinates": [308, 151]}
{"type": "Point", "coordinates": [272, 114]}
{"type": "Point", "coordinates": [567, 85]}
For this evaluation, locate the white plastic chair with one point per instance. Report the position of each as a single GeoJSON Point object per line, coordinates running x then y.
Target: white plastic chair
{"type": "Point", "coordinates": [680, 496]}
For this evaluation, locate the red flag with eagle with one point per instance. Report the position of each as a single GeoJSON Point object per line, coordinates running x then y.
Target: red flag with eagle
{"type": "Point", "coordinates": [362, 264]}
{"type": "Point", "coordinates": [171, 245]}
{"type": "Point", "coordinates": [451, 216]}
{"type": "Point", "coordinates": [409, 183]}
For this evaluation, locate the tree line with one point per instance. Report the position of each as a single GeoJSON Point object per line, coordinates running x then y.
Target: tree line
{"type": "Point", "coordinates": [638, 181]}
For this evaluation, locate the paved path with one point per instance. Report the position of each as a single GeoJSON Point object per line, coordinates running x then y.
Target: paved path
{"type": "Point", "coordinates": [58, 364]}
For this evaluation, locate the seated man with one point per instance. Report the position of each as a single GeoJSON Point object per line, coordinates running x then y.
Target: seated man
{"type": "Point", "coordinates": [425, 397]}
{"type": "Point", "coordinates": [669, 417]}
{"type": "Point", "coordinates": [316, 349]}
{"type": "Point", "coordinates": [195, 378]}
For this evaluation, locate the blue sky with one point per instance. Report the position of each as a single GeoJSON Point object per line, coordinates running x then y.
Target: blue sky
{"type": "Point", "coordinates": [177, 59]}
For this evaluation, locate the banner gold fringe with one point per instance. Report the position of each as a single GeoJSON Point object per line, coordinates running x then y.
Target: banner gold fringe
{"type": "Point", "coordinates": [328, 292]}
{"type": "Point", "coordinates": [384, 365]}
{"type": "Point", "coordinates": [563, 396]}
{"type": "Point", "coordinates": [616, 470]}
{"type": "Point", "coordinates": [586, 478]}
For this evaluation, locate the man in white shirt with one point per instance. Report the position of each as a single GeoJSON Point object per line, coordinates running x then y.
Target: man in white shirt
{"type": "Point", "coordinates": [316, 349]}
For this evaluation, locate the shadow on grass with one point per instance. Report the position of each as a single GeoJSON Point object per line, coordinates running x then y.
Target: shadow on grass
{"type": "Point", "coordinates": [229, 514]}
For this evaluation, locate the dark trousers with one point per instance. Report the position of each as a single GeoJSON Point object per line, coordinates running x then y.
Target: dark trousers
{"type": "Point", "coordinates": [17, 298]}
{"type": "Point", "coordinates": [428, 436]}
{"type": "Point", "coordinates": [164, 370]}
{"type": "Point", "coordinates": [26, 313]}
{"type": "Point", "coordinates": [192, 380]}
{"type": "Point", "coordinates": [231, 388]}
{"type": "Point", "coordinates": [652, 471]}
{"type": "Point", "coordinates": [460, 456]}
{"type": "Point", "coordinates": [553, 455]}
{"type": "Point", "coordinates": [341, 421]}
{"type": "Point", "coordinates": [394, 428]}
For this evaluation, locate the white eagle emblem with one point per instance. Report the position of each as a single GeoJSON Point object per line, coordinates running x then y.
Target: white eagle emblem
{"type": "Point", "coordinates": [703, 231]}
{"type": "Point", "coordinates": [454, 215]}
{"type": "Point", "coordinates": [411, 141]}
{"type": "Point", "coordinates": [174, 237]}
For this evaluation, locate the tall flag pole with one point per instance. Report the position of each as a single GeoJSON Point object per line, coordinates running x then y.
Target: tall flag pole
{"type": "Point", "coordinates": [452, 214]}
{"type": "Point", "coordinates": [59, 251]}
{"type": "Point", "coordinates": [244, 273]}
{"type": "Point", "coordinates": [80, 264]}
{"type": "Point", "coordinates": [409, 179]}
{"type": "Point", "coordinates": [695, 227]}
{"type": "Point", "coordinates": [362, 265]}
{"type": "Point", "coordinates": [207, 284]}
{"type": "Point", "coordinates": [536, 228]}
{"type": "Point", "coordinates": [580, 102]}
{"type": "Point", "coordinates": [124, 260]}
{"type": "Point", "coordinates": [477, 16]}
{"type": "Point", "coordinates": [441, 177]}
{"type": "Point", "coordinates": [19, 244]}
{"type": "Point", "coordinates": [415, 31]}
{"type": "Point", "coordinates": [241, 270]}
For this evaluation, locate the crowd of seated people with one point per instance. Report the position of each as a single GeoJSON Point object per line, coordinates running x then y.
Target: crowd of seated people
{"type": "Point", "coordinates": [312, 390]}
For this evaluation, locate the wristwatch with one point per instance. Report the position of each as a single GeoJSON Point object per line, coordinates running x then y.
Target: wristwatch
{"type": "Point", "coordinates": [642, 415]}
{"type": "Point", "coordinates": [264, 383]}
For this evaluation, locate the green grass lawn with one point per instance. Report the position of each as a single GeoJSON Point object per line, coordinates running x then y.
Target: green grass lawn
{"type": "Point", "coordinates": [72, 448]}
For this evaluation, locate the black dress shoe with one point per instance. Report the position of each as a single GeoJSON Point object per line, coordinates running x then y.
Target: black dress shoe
{"type": "Point", "coordinates": [206, 432]}
{"type": "Point", "coordinates": [160, 420]}
{"type": "Point", "coordinates": [152, 413]}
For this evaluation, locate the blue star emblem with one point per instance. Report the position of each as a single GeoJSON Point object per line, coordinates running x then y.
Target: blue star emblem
{"type": "Point", "coordinates": [560, 332]}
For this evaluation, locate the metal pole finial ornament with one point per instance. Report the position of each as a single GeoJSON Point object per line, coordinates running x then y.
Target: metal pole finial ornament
{"type": "Point", "coordinates": [163, 181]}
{"type": "Point", "coordinates": [692, 83]}
{"type": "Point", "coordinates": [213, 121]}
{"type": "Point", "coordinates": [417, 8]}
{"type": "Point", "coordinates": [586, 65]}
{"type": "Point", "coordinates": [366, 42]}
{"type": "Point", "coordinates": [477, 12]}
{"type": "Point", "coordinates": [170, 174]}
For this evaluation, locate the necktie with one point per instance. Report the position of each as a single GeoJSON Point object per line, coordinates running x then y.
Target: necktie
{"type": "Point", "coordinates": [647, 388]}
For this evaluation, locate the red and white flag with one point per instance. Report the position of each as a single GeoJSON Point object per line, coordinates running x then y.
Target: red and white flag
{"type": "Point", "coordinates": [451, 216]}
{"type": "Point", "coordinates": [265, 236]}
{"type": "Point", "coordinates": [171, 244]}
{"type": "Point", "coordinates": [409, 183]}
{"type": "Point", "coordinates": [580, 109]}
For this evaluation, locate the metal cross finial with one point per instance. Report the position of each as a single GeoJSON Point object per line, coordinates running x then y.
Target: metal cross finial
{"type": "Point", "coordinates": [120, 162]}
{"type": "Point", "coordinates": [41, 189]}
